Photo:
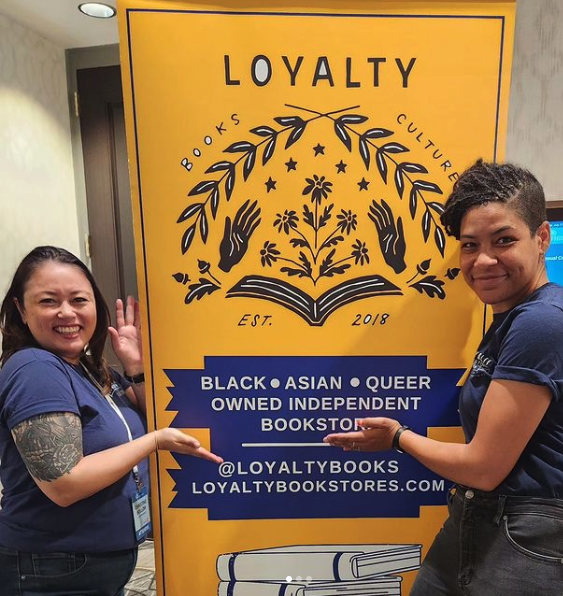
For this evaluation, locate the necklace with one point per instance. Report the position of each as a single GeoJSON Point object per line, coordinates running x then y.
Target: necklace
{"type": "Point", "coordinates": [92, 379]}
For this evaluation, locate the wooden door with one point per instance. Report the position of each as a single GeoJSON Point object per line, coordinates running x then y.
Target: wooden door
{"type": "Point", "coordinates": [108, 197]}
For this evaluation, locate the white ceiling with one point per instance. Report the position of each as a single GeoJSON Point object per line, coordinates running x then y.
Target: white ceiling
{"type": "Point", "coordinates": [61, 22]}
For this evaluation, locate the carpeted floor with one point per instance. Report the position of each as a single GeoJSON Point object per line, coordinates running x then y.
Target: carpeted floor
{"type": "Point", "coordinates": [143, 581]}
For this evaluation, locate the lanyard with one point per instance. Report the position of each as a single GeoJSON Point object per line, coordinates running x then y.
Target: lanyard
{"type": "Point", "coordinates": [115, 408]}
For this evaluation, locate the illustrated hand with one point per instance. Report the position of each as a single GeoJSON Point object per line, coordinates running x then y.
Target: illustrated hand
{"type": "Point", "coordinates": [173, 439]}
{"type": "Point", "coordinates": [236, 236]}
{"type": "Point", "coordinates": [126, 336]}
{"type": "Point", "coordinates": [376, 434]}
{"type": "Point", "coordinates": [391, 237]}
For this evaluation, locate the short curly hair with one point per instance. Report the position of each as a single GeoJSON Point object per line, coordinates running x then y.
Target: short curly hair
{"type": "Point", "coordinates": [484, 183]}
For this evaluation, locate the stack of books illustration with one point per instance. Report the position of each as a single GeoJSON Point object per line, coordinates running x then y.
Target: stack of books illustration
{"type": "Point", "coordinates": [317, 570]}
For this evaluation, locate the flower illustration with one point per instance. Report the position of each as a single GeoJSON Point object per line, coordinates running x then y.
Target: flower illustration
{"type": "Point", "coordinates": [347, 221]}
{"type": "Point", "coordinates": [360, 253]}
{"type": "Point", "coordinates": [287, 221]}
{"type": "Point", "coordinates": [318, 188]}
{"type": "Point", "coordinates": [269, 254]}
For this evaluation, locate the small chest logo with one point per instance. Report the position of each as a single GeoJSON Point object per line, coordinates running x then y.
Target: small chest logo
{"type": "Point", "coordinates": [482, 366]}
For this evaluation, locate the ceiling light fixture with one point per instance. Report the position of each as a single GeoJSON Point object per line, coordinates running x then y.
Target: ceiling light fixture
{"type": "Point", "coordinates": [97, 10]}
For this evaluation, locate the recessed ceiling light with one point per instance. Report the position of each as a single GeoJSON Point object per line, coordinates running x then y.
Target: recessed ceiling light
{"type": "Point", "coordinates": [97, 10]}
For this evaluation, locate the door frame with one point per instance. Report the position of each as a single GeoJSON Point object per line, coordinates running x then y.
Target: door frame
{"type": "Point", "coordinates": [77, 59]}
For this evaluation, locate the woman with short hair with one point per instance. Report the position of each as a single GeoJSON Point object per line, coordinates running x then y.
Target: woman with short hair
{"type": "Point", "coordinates": [504, 534]}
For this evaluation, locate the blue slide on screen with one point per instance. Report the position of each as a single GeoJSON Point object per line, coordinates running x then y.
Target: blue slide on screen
{"type": "Point", "coordinates": [554, 256]}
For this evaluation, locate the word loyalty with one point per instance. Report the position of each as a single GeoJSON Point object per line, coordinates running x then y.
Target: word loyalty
{"type": "Point", "coordinates": [305, 71]}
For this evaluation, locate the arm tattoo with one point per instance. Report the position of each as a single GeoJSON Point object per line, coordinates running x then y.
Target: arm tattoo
{"type": "Point", "coordinates": [49, 444]}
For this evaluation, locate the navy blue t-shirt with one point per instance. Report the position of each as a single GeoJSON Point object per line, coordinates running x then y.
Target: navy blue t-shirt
{"type": "Point", "coordinates": [525, 344]}
{"type": "Point", "coordinates": [33, 382]}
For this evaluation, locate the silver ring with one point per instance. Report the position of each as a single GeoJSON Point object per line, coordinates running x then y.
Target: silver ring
{"type": "Point", "coordinates": [353, 445]}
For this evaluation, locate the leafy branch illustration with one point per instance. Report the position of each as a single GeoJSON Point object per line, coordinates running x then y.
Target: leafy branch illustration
{"type": "Point", "coordinates": [317, 252]}
{"type": "Point", "coordinates": [430, 284]}
{"type": "Point", "coordinates": [404, 171]}
{"type": "Point", "coordinates": [204, 286]}
{"type": "Point", "coordinates": [197, 214]}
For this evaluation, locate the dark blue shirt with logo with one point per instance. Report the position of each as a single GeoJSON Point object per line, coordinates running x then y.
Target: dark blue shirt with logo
{"type": "Point", "coordinates": [34, 382]}
{"type": "Point", "coordinates": [525, 344]}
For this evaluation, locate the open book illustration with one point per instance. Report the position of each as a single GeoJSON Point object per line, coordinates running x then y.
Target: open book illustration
{"type": "Point", "coordinates": [320, 562]}
{"type": "Point", "coordinates": [315, 312]}
{"type": "Point", "coordinates": [387, 585]}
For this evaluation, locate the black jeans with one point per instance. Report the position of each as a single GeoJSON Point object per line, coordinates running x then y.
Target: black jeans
{"type": "Point", "coordinates": [65, 574]}
{"type": "Point", "coordinates": [493, 545]}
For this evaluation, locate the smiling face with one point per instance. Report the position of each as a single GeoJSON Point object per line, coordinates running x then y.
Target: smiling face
{"type": "Point", "coordinates": [59, 309]}
{"type": "Point", "coordinates": [500, 259]}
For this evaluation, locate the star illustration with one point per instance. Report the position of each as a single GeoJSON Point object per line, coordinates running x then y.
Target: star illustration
{"type": "Point", "coordinates": [319, 149]}
{"type": "Point", "coordinates": [270, 184]}
{"type": "Point", "coordinates": [291, 164]}
{"type": "Point", "coordinates": [363, 184]}
{"type": "Point", "coordinates": [341, 167]}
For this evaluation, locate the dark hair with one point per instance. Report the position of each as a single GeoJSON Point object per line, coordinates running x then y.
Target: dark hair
{"type": "Point", "coordinates": [16, 335]}
{"type": "Point", "coordinates": [484, 183]}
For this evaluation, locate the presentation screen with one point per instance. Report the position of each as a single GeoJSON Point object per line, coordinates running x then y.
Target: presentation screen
{"type": "Point", "coordinates": [554, 256]}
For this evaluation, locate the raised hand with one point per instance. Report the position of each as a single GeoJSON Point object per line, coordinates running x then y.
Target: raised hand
{"type": "Point", "coordinates": [126, 335]}
{"type": "Point", "coordinates": [236, 236]}
{"type": "Point", "coordinates": [391, 236]}
{"type": "Point", "coordinates": [173, 439]}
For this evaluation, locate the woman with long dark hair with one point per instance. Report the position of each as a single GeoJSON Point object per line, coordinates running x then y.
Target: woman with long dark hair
{"type": "Point", "coordinates": [73, 443]}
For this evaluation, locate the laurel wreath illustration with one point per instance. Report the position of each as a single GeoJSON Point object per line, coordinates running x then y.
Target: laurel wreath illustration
{"type": "Point", "coordinates": [317, 236]}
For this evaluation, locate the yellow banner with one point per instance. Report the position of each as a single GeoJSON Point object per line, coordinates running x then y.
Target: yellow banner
{"type": "Point", "coordinates": [289, 168]}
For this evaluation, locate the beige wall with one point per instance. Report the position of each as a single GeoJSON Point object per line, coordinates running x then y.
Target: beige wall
{"type": "Point", "coordinates": [535, 126]}
{"type": "Point", "coordinates": [37, 199]}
